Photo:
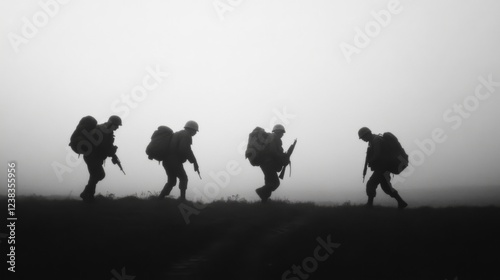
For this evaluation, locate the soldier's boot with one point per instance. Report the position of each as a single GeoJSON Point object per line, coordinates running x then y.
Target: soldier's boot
{"type": "Point", "coordinates": [369, 204]}
{"type": "Point", "coordinates": [401, 203]}
{"type": "Point", "coordinates": [183, 195]}
{"type": "Point", "coordinates": [88, 193]}
{"type": "Point", "coordinates": [263, 194]}
{"type": "Point", "coordinates": [165, 191]}
{"type": "Point", "coordinates": [86, 197]}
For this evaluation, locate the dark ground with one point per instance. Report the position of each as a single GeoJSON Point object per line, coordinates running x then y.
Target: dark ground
{"type": "Point", "coordinates": [133, 238]}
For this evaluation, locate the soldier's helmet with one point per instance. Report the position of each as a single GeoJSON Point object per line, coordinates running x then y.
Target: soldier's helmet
{"type": "Point", "coordinates": [115, 120]}
{"type": "Point", "coordinates": [363, 131]}
{"type": "Point", "coordinates": [279, 127]}
{"type": "Point", "coordinates": [192, 125]}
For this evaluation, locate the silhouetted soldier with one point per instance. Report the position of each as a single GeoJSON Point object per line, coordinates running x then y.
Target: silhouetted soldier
{"type": "Point", "coordinates": [103, 147]}
{"type": "Point", "coordinates": [272, 163]}
{"type": "Point", "coordinates": [180, 151]}
{"type": "Point", "coordinates": [375, 160]}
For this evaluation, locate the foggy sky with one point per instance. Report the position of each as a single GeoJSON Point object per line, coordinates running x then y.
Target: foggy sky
{"type": "Point", "coordinates": [428, 71]}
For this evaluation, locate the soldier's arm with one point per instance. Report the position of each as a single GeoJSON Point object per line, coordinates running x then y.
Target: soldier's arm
{"type": "Point", "coordinates": [376, 150]}
{"type": "Point", "coordinates": [192, 159]}
{"type": "Point", "coordinates": [111, 148]}
{"type": "Point", "coordinates": [105, 144]}
{"type": "Point", "coordinates": [190, 156]}
{"type": "Point", "coordinates": [277, 151]}
{"type": "Point", "coordinates": [185, 149]}
{"type": "Point", "coordinates": [184, 145]}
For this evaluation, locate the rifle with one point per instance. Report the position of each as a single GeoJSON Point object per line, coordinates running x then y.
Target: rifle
{"type": "Point", "coordinates": [364, 170]}
{"type": "Point", "coordinates": [288, 154]}
{"type": "Point", "coordinates": [116, 161]}
{"type": "Point", "coordinates": [197, 168]}
{"type": "Point", "coordinates": [368, 153]}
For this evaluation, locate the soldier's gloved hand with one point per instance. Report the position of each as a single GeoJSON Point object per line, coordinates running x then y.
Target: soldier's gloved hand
{"type": "Point", "coordinates": [114, 159]}
{"type": "Point", "coordinates": [114, 149]}
{"type": "Point", "coordinates": [286, 161]}
{"type": "Point", "coordinates": [196, 167]}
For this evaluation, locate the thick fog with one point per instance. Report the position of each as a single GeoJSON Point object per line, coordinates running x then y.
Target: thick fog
{"type": "Point", "coordinates": [428, 71]}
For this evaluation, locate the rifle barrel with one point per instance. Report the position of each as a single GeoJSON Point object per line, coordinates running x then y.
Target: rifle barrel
{"type": "Point", "coordinates": [282, 174]}
{"type": "Point", "coordinates": [288, 153]}
{"type": "Point", "coordinates": [119, 163]}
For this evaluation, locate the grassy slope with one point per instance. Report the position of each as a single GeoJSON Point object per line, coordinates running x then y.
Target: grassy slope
{"type": "Point", "coordinates": [67, 239]}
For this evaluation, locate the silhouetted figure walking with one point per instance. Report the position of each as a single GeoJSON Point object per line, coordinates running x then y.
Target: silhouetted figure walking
{"type": "Point", "coordinates": [272, 162]}
{"type": "Point", "coordinates": [377, 160]}
{"type": "Point", "coordinates": [180, 151]}
{"type": "Point", "coordinates": [102, 138]}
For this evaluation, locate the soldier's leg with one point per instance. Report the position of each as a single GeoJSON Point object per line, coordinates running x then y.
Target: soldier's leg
{"type": "Point", "coordinates": [171, 179]}
{"type": "Point", "coordinates": [371, 186]}
{"type": "Point", "coordinates": [183, 180]}
{"type": "Point", "coordinates": [96, 174]}
{"type": "Point", "coordinates": [385, 184]}
{"type": "Point", "coordinates": [388, 189]}
{"type": "Point", "coordinates": [271, 182]}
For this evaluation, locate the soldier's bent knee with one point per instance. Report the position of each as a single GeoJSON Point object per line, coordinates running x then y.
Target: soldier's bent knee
{"type": "Point", "coordinates": [100, 176]}
{"type": "Point", "coordinates": [172, 181]}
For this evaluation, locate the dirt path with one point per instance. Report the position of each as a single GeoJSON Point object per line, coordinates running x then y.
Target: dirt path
{"type": "Point", "coordinates": [237, 254]}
